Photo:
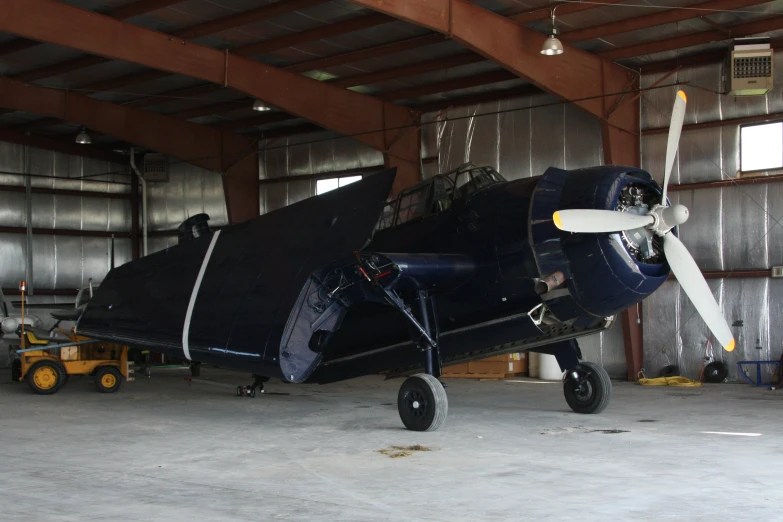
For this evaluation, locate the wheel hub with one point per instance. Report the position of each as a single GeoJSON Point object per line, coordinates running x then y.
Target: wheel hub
{"type": "Point", "coordinates": [45, 378]}
{"type": "Point", "coordinates": [416, 403]}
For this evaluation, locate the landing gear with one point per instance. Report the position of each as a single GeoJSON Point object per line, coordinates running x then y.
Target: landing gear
{"type": "Point", "coordinates": [422, 403]}
{"type": "Point", "coordinates": [250, 391]}
{"type": "Point", "coordinates": [587, 388]}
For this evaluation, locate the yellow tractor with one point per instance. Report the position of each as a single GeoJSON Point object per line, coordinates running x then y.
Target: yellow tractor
{"type": "Point", "coordinates": [46, 371]}
{"type": "Point", "coordinates": [47, 362]}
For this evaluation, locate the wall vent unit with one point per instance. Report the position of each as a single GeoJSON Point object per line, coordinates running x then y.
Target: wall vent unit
{"type": "Point", "coordinates": [777, 271]}
{"type": "Point", "coordinates": [749, 71]}
{"type": "Point", "coordinates": [156, 167]}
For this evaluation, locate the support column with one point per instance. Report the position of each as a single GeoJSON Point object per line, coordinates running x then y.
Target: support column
{"type": "Point", "coordinates": [134, 210]}
{"type": "Point", "coordinates": [623, 148]}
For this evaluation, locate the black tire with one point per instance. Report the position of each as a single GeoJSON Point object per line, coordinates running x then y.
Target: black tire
{"type": "Point", "coordinates": [591, 392]}
{"type": "Point", "coordinates": [251, 392]}
{"type": "Point", "coordinates": [108, 379]}
{"type": "Point", "coordinates": [715, 372]}
{"type": "Point", "coordinates": [46, 377]}
{"type": "Point", "coordinates": [239, 391]}
{"type": "Point", "coordinates": [16, 370]}
{"type": "Point", "coordinates": [422, 403]}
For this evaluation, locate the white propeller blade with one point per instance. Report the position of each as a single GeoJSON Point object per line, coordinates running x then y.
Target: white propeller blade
{"type": "Point", "coordinates": [693, 283]}
{"type": "Point", "coordinates": [675, 128]}
{"type": "Point", "coordinates": [585, 220]}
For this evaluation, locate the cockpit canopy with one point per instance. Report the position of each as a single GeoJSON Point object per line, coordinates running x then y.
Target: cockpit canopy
{"type": "Point", "coordinates": [437, 194]}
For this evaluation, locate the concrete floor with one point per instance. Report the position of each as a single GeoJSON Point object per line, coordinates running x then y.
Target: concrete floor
{"type": "Point", "coordinates": [160, 450]}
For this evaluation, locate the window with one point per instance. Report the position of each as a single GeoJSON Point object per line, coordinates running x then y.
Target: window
{"type": "Point", "coordinates": [761, 147]}
{"type": "Point", "coordinates": [325, 185]}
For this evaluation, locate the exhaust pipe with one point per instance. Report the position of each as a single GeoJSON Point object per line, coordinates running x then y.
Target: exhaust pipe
{"type": "Point", "coordinates": [550, 282]}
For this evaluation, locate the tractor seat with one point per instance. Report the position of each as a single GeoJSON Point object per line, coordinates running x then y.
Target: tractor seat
{"type": "Point", "coordinates": [32, 338]}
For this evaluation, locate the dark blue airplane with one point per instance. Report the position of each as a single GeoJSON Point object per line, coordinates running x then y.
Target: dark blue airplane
{"type": "Point", "coordinates": [457, 268]}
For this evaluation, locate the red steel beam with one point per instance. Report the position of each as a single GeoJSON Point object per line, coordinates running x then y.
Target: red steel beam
{"type": "Point", "coordinates": [66, 147]}
{"type": "Point", "coordinates": [408, 70]}
{"type": "Point", "coordinates": [230, 154]}
{"type": "Point", "coordinates": [367, 53]}
{"type": "Point", "coordinates": [311, 35]}
{"type": "Point", "coordinates": [654, 18]}
{"type": "Point", "coordinates": [215, 108]}
{"type": "Point", "coordinates": [574, 75]}
{"type": "Point", "coordinates": [66, 192]}
{"type": "Point", "coordinates": [273, 44]}
{"type": "Point", "coordinates": [678, 42]}
{"type": "Point", "coordinates": [308, 65]}
{"type": "Point", "coordinates": [65, 232]}
{"type": "Point", "coordinates": [195, 31]}
{"type": "Point", "coordinates": [451, 85]}
{"type": "Point", "coordinates": [120, 13]}
{"type": "Point", "coordinates": [261, 119]}
{"type": "Point", "coordinates": [382, 125]}
{"type": "Point", "coordinates": [482, 97]}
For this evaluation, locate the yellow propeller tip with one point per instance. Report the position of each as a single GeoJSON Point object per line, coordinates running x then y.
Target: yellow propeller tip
{"type": "Point", "coordinates": [681, 94]}
{"type": "Point", "coordinates": [730, 347]}
{"type": "Point", "coordinates": [557, 220]}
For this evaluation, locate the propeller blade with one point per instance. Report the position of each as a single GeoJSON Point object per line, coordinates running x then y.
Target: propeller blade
{"type": "Point", "coordinates": [588, 220]}
{"type": "Point", "coordinates": [695, 286]}
{"type": "Point", "coordinates": [675, 128]}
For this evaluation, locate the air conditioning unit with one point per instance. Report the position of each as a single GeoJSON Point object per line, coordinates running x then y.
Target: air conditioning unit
{"type": "Point", "coordinates": [156, 167]}
{"type": "Point", "coordinates": [750, 71]}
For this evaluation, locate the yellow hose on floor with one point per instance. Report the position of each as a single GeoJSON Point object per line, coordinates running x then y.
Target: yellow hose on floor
{"type": "Point", "coordinates": [667, 381]}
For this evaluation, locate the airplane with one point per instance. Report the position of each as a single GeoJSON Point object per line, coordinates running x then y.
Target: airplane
{"type": "Point", "coordinates": [456, 268]}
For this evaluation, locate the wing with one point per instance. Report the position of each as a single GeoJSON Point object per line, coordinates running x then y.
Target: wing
{"type": "Point", "coordinates": [225, 297]}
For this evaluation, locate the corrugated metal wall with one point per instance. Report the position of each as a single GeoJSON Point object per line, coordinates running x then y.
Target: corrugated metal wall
{"type": "Point", "coordinates": [306, 155]}
{"type": "Point", "coordinates": [61, 262]}
{"type": "Point", "coordinates": [190, 190]}
{"type": "Point", "coordinates": [730, 228]}
{"type": "Point", "coordinates": [67, 262]}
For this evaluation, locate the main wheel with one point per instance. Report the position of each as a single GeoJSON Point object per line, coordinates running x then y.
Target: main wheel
{"type": "Point", "coordinates": [590, 393]}
{"type": "Point", "coordinates": [108, 379]}
{"type": "Point", "coordinates": [422, 403]}
{"type": "Point", "coordinates": [16, 370]}
{"type": "Point", "coordinates": [46, 377]}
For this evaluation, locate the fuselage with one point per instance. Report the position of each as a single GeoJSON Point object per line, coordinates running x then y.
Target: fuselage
{"type": "Point", "coordinates": [506, 229]}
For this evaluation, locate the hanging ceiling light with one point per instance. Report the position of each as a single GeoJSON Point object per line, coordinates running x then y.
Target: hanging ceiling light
{"type": "Point", "coordinates": [83, 137]}
{"type": "Point", "coordinates": [552, 45]}
{"type": "Point", "coordinates": [261, 106]}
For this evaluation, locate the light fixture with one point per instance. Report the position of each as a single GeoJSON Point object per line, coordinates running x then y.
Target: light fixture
{"type": "Point", "coordinates": [261, 106]}
{"type": "Point", "coordinates": [552, 45]}
{"type": "Point", "coordinates": [83, 137]}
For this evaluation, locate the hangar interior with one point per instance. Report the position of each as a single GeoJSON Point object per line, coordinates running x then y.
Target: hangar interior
{"type": "Point", "coordinates": [318, 82]}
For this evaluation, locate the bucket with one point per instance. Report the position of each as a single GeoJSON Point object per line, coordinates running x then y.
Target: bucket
{"type": "Point", "coordinates": [533, 364]}
{"type": "Point", "coordinates": [548, 369]}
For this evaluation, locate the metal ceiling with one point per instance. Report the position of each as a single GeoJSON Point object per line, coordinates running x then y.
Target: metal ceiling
{"type": "Point", "coordinates": [188, 13]}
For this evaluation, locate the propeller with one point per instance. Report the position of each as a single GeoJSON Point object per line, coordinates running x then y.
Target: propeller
{"type": "Point", "coordinates": [660, 220]}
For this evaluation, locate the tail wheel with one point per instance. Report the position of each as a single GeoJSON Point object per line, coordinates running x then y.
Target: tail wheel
{"type": "Point", "coordinates": [590, 390]}
{"type": "Point", "coordinates": [108, 379]}
{"type": "Point", "coordinates": [46, 377]}
{"type": "Point", "coordinates": [422, 403]}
